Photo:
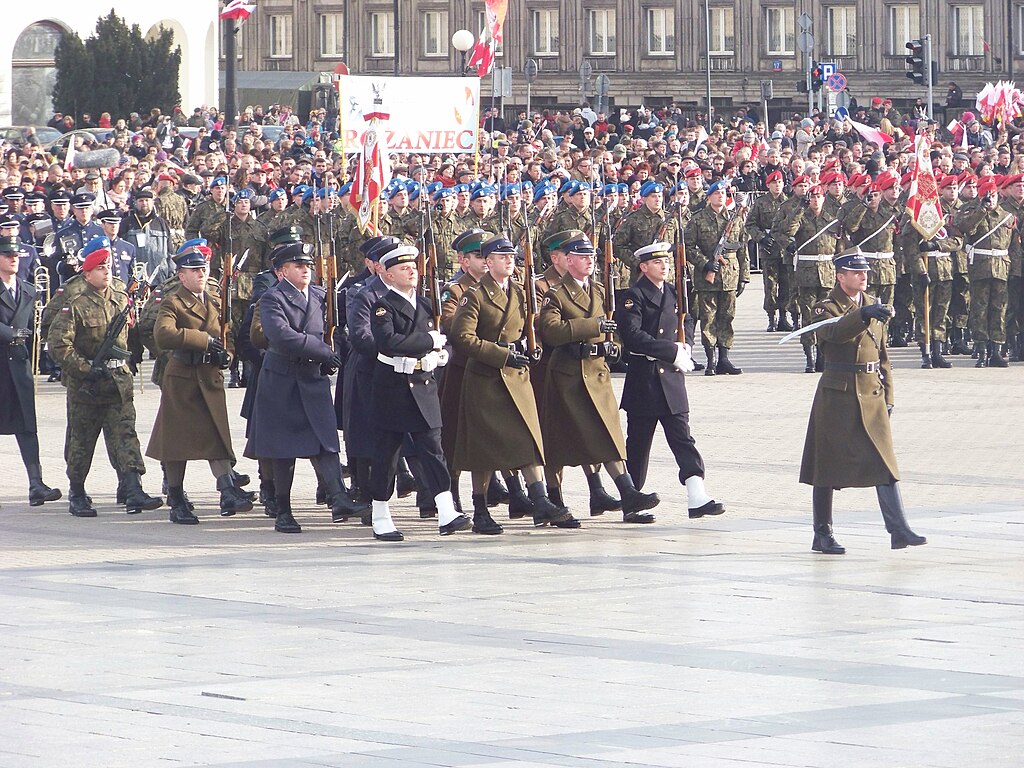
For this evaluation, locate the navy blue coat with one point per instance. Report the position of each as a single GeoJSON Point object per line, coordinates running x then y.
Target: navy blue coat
{"type": "Point", "coordinates": [647, 327]}
{"type": "Point", "coordinates": [403, 402]}
{"type": "Point", "coordinates": [28, 260]}
{"type": "Point", "coordinates": [123, 257]}
{"type": "Point", "coordinates": [292, 414]}
{"type": "Point", "coordinates": [17, 396]}
{"type": "Point", "coordinates": [357, 407]}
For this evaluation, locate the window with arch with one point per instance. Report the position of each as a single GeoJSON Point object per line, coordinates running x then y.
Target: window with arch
{"type": "Point", "coordinates": [34, 73]}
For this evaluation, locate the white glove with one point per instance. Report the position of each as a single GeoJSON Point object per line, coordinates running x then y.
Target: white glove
{"type": "Point", "coordinates": [442, 358]}
{"type": "Point", "coordinates": [404, 364]}
{"type": "Point", "coordinates": [683, 361]}
{"type": "Point", "coordinates": [428, 362]}
{"type": "Point", "coordinates": [439, 339]}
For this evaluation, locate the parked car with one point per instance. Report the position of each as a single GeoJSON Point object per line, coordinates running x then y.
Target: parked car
{"type": "Point", "coordinates": [18, 135]}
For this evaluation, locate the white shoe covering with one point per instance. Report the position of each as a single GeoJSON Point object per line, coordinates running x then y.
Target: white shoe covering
{"type": "Point", "coordinates": [446, 511]}
{"type": "Point", "coordinates": [382, 522]}
{"type": "Point", "coordinates": [697, 497]}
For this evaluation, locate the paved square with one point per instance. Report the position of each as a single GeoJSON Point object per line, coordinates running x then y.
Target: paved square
{"type": "Point", "coordinates": [127, 641]}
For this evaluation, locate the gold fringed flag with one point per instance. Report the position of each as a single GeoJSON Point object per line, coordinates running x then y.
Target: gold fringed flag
{"type": "Point", "coordinates": [373, 172]}
{"type": "Point", "coordinates": [923, 207]}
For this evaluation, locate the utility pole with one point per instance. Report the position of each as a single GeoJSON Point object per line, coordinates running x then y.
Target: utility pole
{"type": "Point", "coordinates": [929, 70]}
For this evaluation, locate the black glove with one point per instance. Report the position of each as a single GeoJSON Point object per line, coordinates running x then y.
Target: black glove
{"type": "Point", "coordinates": [333, 363]}
{"type": "Point", "coordinates": [517, 360]}
{"type": "Point", "coordinates": [612, 352]}
{"type": "Point", "coordinates": [213, 345]}
{"type": "Point", "coordinates": [607, 326]}
{"type": "Point", "coordinates": [929, 245]}
{"type": "Point", "coordinates": [922, 280]}
{"type": "Point", "coordinates": [768, 243]}
{"type": "Point", "coordinates": [97, 374]}
{"type": "Point", "coordinates": [713, 266]}
{"type": "Point", "coordinates": [21, 334]}
{"type": "Point", "coordinates": [880, 312]}
{"type": "Point", "coordinates": [805, 201]}
{"type": "Point", "coordinates": [888, 409]}
{"type": "Point", "coordinates": [739, 288]}
{"type": "Point", "coordinates": [791, 249]}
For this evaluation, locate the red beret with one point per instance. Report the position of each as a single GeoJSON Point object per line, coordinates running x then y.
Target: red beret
{"type": "Point", "coordinates": [693, 173]}
{"type": "Point", "coordinates": [832, 162]}
{"type": "Point", "coordinates": [838, 176]}
{"type": "Point", "coordinates": [773, 176]}
{"type": "Point", "coordinates": [986, 185]}
{"type": "Point", "coordinates": [95, 259]}
{"type": "Point", "coordinates": [906, 179]}
{"type": "Point", "coordinates": [816, 188]}
{"type": "Point", "coordinates": [1013, 178]}
{"type": "Point", "coordinates": [826, 178]}
{"type": "Point", "coordinates": [967, 178]}
{"type": "Point", "coordinates": [876, 101]}
{"type": "Point", "coordinates": [166, 177]}
{"type": "Point", "coordinates": [883, 182]}
{"type": "Point", "coordinates": [803, 178]}
{"type": "Point", "coordinates": [948, 180]}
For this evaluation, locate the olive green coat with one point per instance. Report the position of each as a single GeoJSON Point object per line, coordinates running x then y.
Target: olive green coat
{"type": "Point", "coordinates": [581, 417]}
{"type": "Point", "coordinates": [849, 444]}
{"type": "Point", "coordinates": [499, 427]}
{"type": "Point", "coordinates": [192, 422]}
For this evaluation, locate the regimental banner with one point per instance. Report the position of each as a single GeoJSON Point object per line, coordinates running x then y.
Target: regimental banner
{"type": "Point", "coordinates": [923, 202]}
{"type": "Point", "coordinates": [429, 115]}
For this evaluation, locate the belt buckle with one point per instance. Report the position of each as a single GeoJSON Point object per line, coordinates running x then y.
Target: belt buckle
{"type": "Point", "coordinates": [592, 350]}
{"type": "Point", "coordinates": [871, 367]}
{"type": "Point", "coordinates": [113, 364]}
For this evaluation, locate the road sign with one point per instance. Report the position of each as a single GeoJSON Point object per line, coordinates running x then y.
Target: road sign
{"type": "Point", "coordinates": [501, 82]}
{"type": "Point", "coordinates": [837, 82]}
{"type": "Point", "coordinates": [767, 90]}
{"type": "Point", "coordinates": [777, 65]}
{"type": "Point", "coordinates": [843, 103]}
{"type": "Point", "coordinates": [805, 42]}
{"type": "Point", "coordinates": [530, 70]}
{"type": "Point", "coordinates": [827, 70]}
{"type": "Point", "coordinates": [804, 21]}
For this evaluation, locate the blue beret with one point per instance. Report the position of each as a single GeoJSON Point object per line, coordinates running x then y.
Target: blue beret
{"type": "Point", "coordinates": [567, 187]}
{"type": "Point", "coordinates": [527, 186]}
{"type": "Point", "coordinates": [414, 189]}
{"type": "Point", "coordinates": [541, 190]}
{"type": "Point", "coordinates": [323, 192]}
{"type": "Point", "coordinates": [679, 185]}
{"type": "Point", "coordinates": [508, 190]}
{"type": "Point", "coordinates": [610, 189]}
{"type": "Point", "coordinates": [623, 188]}
{"type": "Point", "coordinates": [649, 187]}
{"type": "Point", "coordinates": [433, 186]}
{"type": "Point", "coordinates": [345, 188]}
{"type": "Point", "coordinates": [483, 191]}
{"type": "Point", "coordinates": [242, 194]}
{"type": "Point", "coordinates": [195, 242]}
{"type": "Point", "coordinates": [459, 188]}
{"type": "Point", "coordinates": [443, 192]}
{"type": "Point", "coordinates": [307, 196]}
{"type": "Point", "coordinates": [719, 186]}
{"type": "Point", "coordinates": [219, 181]}
{"type": "Point", "coordinates": [300, 189]}
{"type": "Point", "coordinates": [276, 194]}
{"type": "Point", "coordinates": [100, 243]}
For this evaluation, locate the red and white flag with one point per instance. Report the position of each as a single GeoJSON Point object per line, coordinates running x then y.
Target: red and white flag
{"type": "Point", "coordinates": [373, 172]}
{"type": "Point", "coordinates": [923, 201]}
{"type": "Point", "coordinates": [490, 36]}
{"type": "Point", "coordinates": [238, 9]}
{"type": "Point", "coordinates": [69, 156]}
{"type": "Point", "coordinates": [870, 134]}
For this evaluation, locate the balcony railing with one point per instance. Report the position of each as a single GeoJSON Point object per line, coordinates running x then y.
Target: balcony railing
{"type": "Point", "coordinates": [719, 63]}
{"type": "Point", "coordinates": [965, 63]}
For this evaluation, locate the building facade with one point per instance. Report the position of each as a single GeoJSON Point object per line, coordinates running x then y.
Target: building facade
{"type": "Point", "coordinates": [652, 51]}
{"type": "Point", "coordinates": [30, 34]}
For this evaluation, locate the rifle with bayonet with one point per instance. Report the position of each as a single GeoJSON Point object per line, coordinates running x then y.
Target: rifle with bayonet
{"type": "Point", "coordinates": [682, 292]}
{"type": "Point", "coordinates": [533, 349]}
{"type": "Point", "coordinates": [431, 278]}
{"type": "Point", "coordinates": [227, 286]}
{"type": "Point", "coordinates": [108, 349]}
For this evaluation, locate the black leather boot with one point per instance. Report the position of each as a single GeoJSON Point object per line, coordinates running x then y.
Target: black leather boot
{"type": "Point", "coordinates": [267, 498]}
{"type": "Point", "coordinates": [709, 352]}
{"type": "Point", "coordinates": [482, 521]}
{"type": "Point", "coordinates": [79, 503]}
{"type": "Point", "coordinates": [121, 493]}
{"type": "Point", "coordinates": [136, 499]}
{"type": "Point", "coordinates": [285, 522]}
{"type": "Point", "coordinates": [771, 322]}
{"type": "Point", "coordinates": [938, 361]}
{"type": "Point", "coordinates": [808, 360]}
{"type": "Point", "coordinates": [824, 541]}
{"type": "Point", "coordinates": [405, 482]}
{"type": "Point", "coordinates": [926, 357]}
{"type": "Point", "coordinates": [38, 491]}
{"type": "Point", "coordinates": [890, 501]}
{"type": "Point", "coordinates": [634, 502]}
{"type": "Point", "coordinates": [725, 365]}
{"type": "Point", "coordinates": [819, 361]}
{"type": "Point", "coordinates": [981, 351]}
{"type": "Point", "coordinates": [519, 504]}
{"type": "Point", "coordinates": [600, 500]}
{"type": "Point", "coordinates": [995, 356]}
{"type": "Point", "coordinates": [547, 509]}
{"type": "Point", "coordinates": [959, 346]}
{"type": "Point", "coordinates": [180, 512]}
{"type": "Point", "coordinates": [233, 382]}
{"type": "Point", "coordinates": [783, 326]}
{"type": "Point", "coordinates": [232, 500]}
{"type": "Point", "coordinates": [497, 493]}
{"type": "Point", "coordinates": [342, 504]}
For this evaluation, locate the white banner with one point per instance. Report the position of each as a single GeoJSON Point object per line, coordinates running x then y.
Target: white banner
{"type": "Point", "coordinates": [429, 115]}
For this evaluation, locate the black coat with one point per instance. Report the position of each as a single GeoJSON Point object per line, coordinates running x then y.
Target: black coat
{"type": "Point", "coordinates": [647, 327]}
{"type": "Point", "coordinates": [358, 423]}
{"type": "Point", "coordinates": [291, 417]}
{"type": "Point", "coordinates": [403, 402]}
{"type": "Point", "coordinates": [17, 395]}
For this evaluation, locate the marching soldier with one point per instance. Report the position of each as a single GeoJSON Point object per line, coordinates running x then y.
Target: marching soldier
{"type": "Point", "coordinates": [960, 302]}
{"type": "Point", "coordinates": [647, 224]}
{"type": "Point", "coordinates": [814, 240]}
{"type": "Point", "coordinates": [992, 247]}
{"type": "Point", "coordinates": [584, 430]}
{"type": "Point", "coordinates": [99, 386]}
{"type": "Point", "coordinates": [405, 400]}
{"type": "Point", "coordinates": [443, 231]}
{"type": "Point", "coordinates": [192, 422]}
{"type": "Point", "coordinates": [207, 221]}
{"type": "Point", "coordinates": [716, 247]}
{"type": "Point", "coordinates": [695, 183]}
{"type": "Point", "coordinates": [655, 390]}
{"type": "Point", "coordinates": [849, 442]}
{"type": "Point", "coordinates": [498, 425]}
{"type": "Point", "coordinates": [17, 390]}
{"type": "Point", "coordinates": [775, 275]}
{"type": "Point", "coordinates": [789, 210]}
{"type": "Point", "coordinates": [296, 371]}
{"type": "Point", "coordinates": [481, 213]}
{"type": "Point", "coordinates": [871, 228]}
{"type": "Point", "coordinates": [930, 264]}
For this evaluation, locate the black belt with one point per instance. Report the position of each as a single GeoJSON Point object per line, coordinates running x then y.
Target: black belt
{"type": "Point", "coordinates": [873, 367]}
{"type": "Point", "coordinates": [194, 358]}
{"type": "Point", "coordinates": [584, 349]}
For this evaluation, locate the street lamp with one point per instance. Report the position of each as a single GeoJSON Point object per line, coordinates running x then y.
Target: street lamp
{"type": "Point", "coordinates": [463, 41]}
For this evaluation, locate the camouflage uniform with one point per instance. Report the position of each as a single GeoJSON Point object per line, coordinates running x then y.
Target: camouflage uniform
{"type": "Point", "coordinates": [903, 293]}
{"type": "Point", "coordinates": [488, 224]}
{"type": "Point", "coordinates": [208, 221]}
{"type": "Point", "coordinates": [444, 233]}
{"type": "Point", "coordinates": [776, 278]}
{"type": "Point", "coordinates": [716, 299]}
{"type": "Point", "coordinates": [242, 235]}
{"type": "Point", "coordinates": [274, 220]}
{"type": "Point", "coordinates": [1015, 284]}
{"type": "Point", "coordinates": [107, 404]}
{"type": "Point", "coordinates": [569, 218]}
{"type": "Point", "coordinates": [960, 303]}
{"type": "Point", "coordinates": [815, 274]}
{"type": "Point", "coordinates": [862, 228]}
{"type": "Point", "coordinates": [172, 208]}
{"type": "Point", "coordinates": [637, 229]}
{"type": "Point", "coordinates": [789, 210]}
{"type": "Point", "coordinates": [989, 267]}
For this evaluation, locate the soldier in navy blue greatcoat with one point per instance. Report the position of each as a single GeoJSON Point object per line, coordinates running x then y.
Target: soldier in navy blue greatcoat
{"type": "Point", "coordinates": [291, 415]}
{"type": "Point", "coordinates": [409, 348]}
{"type": "Point", "coordinates": [655, 389]}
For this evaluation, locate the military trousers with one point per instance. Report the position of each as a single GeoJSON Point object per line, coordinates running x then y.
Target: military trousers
{"type": "Point", "coordinates": [717, 311]}
{"type": "Point", "coordinates": [384, 468]}
{"type": "Point", "coordinates": [901, 298]}
{"type": "Point", "coordinates": [640, 434]}
{"type": "Point", "coordinates": [238, 309]}
{"type": "Point", "coordinates": [939, 293]}
{"type": "Point", "coordinates": [806, 298]}
{"type": "Point", "coordinates": [988, 310]}
{"type": "Point", "coordinates": [778, 279]}
{"type": "Point", "coordinates": [960, 302]}
{"type": "Point", "coordinates": [1014, 306]}
{"type": "Point", "coordinates": [85, 422]}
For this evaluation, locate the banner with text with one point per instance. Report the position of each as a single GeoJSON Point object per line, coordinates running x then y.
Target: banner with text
{"type": "Point", "coordinates": [428, 115]}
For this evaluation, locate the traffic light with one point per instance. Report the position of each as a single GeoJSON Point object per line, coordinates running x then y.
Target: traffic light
{"type": "Point", "coordinates": [816, 77]}
{"type": "Point", "coordinates": [916, 62]}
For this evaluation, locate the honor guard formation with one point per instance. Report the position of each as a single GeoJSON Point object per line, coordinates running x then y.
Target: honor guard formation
{"type": "Point", "coordinates": [472, 325]}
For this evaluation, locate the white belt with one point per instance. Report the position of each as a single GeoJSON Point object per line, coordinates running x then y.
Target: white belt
{"type": "Point", "coordinates": [396, 364]}
{"type": "Point", "coordinates": [802, 257]}
{"type": "Point", "coordinates": [983, 252]}
{"type": "Point", "coordinates": [114, 364]}
{"type": "Point", "coordinates": [879, 255]}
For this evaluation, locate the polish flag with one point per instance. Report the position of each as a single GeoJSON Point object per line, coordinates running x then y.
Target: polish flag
{"type": "Point", "coordinates": [373, 171]}
{"type": "Point", "coordinates": [238, 9]}
{"type": "Point", "coordinates": [870, 134]}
